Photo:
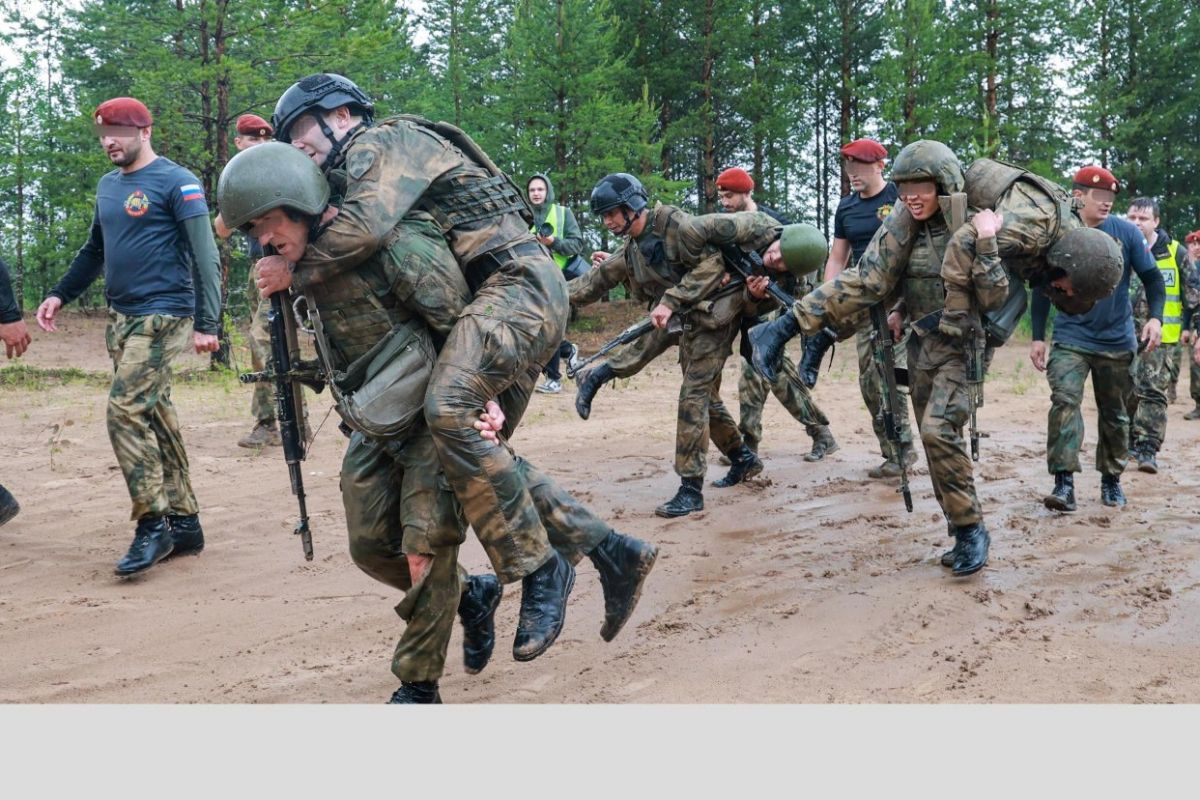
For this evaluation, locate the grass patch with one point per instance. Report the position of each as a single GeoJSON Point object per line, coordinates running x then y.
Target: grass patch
{"type": "Point", "coordinates": [24, 376]}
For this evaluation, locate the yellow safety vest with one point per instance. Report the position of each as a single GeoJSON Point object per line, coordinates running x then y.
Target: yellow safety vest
{"type": "Point", "coordinates": [1173, 308]}
{"type": "Point", "coordinates": [556, 218]}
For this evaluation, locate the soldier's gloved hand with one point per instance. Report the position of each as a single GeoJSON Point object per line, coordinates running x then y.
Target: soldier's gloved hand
{"type": "Point", "coordinates": [954, 323]}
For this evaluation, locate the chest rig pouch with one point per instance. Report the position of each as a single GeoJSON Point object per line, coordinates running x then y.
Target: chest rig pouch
{"type": "Point", "coordinates": [657, 260]}
{"type": "Point", "coordinates": [378, 357]}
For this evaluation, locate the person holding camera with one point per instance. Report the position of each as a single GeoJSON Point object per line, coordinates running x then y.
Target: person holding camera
{"type": "Point", "coordinates": [555, 226]}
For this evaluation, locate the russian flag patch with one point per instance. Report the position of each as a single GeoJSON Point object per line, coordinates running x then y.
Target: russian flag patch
{"type": "Point", "coordinates": [191, 191]}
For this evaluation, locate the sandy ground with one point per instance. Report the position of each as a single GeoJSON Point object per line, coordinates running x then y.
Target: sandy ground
{"type": "Point", "coordinates": [809, 585]}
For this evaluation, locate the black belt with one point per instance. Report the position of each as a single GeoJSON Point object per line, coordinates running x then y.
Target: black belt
{"type": "Point", "coordinates": [480, 268]}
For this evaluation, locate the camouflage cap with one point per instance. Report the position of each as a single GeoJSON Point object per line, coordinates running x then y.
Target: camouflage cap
{"type": "Point", "coordinates": [1092, 260]}
{"type": "Point", "coordinates": [272, 175]}
{"type": "Point", "coordinates": [929, 160]}
{"type": "Point", "coordinates": [803, 247]}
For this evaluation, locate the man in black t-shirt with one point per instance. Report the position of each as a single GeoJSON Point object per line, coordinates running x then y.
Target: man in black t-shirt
{"type": "Point", "coordinates": [858, 216]}
{"type": "Point", "coordinates": [735, 192]}
{"type": "Point", "coordinates": [16, 339]}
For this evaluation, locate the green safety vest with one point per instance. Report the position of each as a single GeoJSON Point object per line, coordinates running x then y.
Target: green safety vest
{"type": "Point", "coordinates": [1173, 308]}
{"type": "Point", "coordinates": [556, 217]}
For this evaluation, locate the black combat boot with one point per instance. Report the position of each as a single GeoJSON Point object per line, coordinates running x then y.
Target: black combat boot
{"type": "Point", "coordinates": [8, 505]}
{"type": "Point", "coordinates": [586, 386]}
{"type": "Point", "coordinates": [416, 693]}
{"type": "Point", "coordinates": [543, 607]}
{"type": "Point", "coordinates": [823, 442]}
{"type": "Point", "coordinates": [768, 340]}
{"type": "Point", "coordinates": [951, 554]}
{"type": "Point", "coordinates": [1110, 490]}
{"type": "Point", "coordinates": [689, 498]}
{"type": "Point", "coordinates": [972, 547]}
{"type": "Point", "coordinates": [1146, 455]}
{"type": "Point", "coordinates": [152, 543]}
{"type": "Point", "coordinates": [623, 563]}
{"type": "Point", "coordinates": [814, 350]}
{"type": "Point", "coordinates": [187, 533]}
{"type": "Point", "coordinates": [743, 465]}
{"type": "Point", "coordinates": [1063, 496]}
{"type": "Point", "coordinates": [477, 611]}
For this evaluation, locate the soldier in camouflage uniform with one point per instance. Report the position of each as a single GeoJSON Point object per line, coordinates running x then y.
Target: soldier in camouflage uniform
{"type": "Point", "coordinates": [671, 263]}
{"type": "Point", "coordinates": [1156, 370]}
{"type": "Point", "coordinates": [735, 189]}
{"type": "Point", "coordinates": [406, 169]}
{"type": "Point", "coordinates": [150, 236]}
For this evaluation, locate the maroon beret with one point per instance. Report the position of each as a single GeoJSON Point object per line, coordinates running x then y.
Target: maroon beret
{"type": "Point", "coordinates": [1096, 177]}
{"type": "Point", "coordinates": [867, 151]}
{"type": "Point", "coordinates": [735, 179]}
{"type": "Point", "coordinates": [253, 125]}
{"type": "Point", "coordinates": [1194, 236]}
{"type": "Point", "coordinates": [123, 111]}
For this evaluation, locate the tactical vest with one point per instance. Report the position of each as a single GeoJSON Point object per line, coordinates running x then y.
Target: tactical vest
{"type": "Point", "coordinates": [653, 258]}
{"type": "Point", "coordinates": [924, 292]}
{"type": "Point", "coordinates": [470, 196]}
{"type": "Point", "coordinates": [1172, 325]}
{"type": "Point", "coordinates": [357, 310]}
{"type": "Point", "coordinates": [555, 217]}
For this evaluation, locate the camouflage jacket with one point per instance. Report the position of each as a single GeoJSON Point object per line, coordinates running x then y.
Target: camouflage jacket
{"type": "Point", "coordinates": [676, 260]}
{"type": "Point", "coordinates": [393, 169]}
{"type": "Point", "coordinates": [1033, 220]}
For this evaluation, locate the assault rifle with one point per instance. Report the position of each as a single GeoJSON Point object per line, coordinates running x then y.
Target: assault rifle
{"type": "Point", "coordinates": [889, 408]}
{"type": "Point", "coordinates": [975, 370]}
{"type": "Point", "coordinates": [750, 264]}
{"type": "Point", "coordinates": [630, 334]}
{"type": "Point", "coordinates": [287, 371]}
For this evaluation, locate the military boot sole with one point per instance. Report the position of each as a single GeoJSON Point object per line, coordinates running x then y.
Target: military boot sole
{"type": "Point", "coordinates": [970, 570]}
{"type": "Point", "coordinates": [1148, 467]}
{"type": "Point", "coordinates": [948, 557]}
{"type": "Point", "coordinates": [125, 573]}
{"type": "Point", "coordinates": [1055, 503]}
{"type": "Point", "coordinates": [530, 655]}
{"type": "Point", "coordinates": [179, 550]}
{"type": "Point", "coordinates": [670, 513]}
{"type": "Point", "coordinates": [609, 631]}
{"type": "Point", "coordinates": [1193, 414]}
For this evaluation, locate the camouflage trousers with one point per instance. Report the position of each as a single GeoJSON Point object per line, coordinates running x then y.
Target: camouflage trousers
{"type": "Point", "coordinates": [1112, 382]}
{"type": "Point", "coordinates": [398, 502]}
{"type": "Point", "coordinates": [632, 358]}
{"type": "Point", "coordinates": [262, 403]}
{"type": "Point", "coordinates": [1146, 405]}
{"type": "Point", "coordinates": [1184, 353]}
{"type": "Point", "coordinates": [496, 351]}
{"type": "Point", "coordinates": [142, 424]}
{"type": "Point", "coordinates": [937, 378]}
{"type": "Point", "coordinates": [788, 389]}
{"type": "Point", "coordinates": [872, 394]}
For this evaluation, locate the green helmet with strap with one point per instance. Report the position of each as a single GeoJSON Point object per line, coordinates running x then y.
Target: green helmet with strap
{"type": "Point", "coordinates": [929, 160]}
{"type": "Point", "coordinates": [268, 176]}
{"type": "Point", "coordinates": [804, 248]}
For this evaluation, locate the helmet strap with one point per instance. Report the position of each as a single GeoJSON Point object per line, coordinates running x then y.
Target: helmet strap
{"type": "Point", "coordinates": [628, 220]}
{"type": "Point", "coordinates": [336, 145]}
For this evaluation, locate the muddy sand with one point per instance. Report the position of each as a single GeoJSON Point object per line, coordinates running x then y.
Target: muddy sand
{"type": "Point", "coordinates": [811, 584]}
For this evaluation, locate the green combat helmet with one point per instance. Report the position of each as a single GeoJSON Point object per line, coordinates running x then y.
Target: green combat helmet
{"type": "Point", "coordinates": [1092, 260]}
{"type": "Point", "coordinates": [927, 160]}
{"type": "Point", "coordinates": [270, 175]}
{"type": "Point", "coordinates": [804, 249]}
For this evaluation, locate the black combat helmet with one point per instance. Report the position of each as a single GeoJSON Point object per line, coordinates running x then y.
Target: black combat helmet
{"type": "Point", "coordinates": [324, 91]}
{"type": "Point", "coordinates": [268, 176]}
{"type": "Point", "coordinates": [620, 190]}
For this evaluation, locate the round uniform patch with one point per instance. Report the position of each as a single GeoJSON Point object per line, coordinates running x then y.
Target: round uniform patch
{"type": "Point", "coordinates": [359, 161]}
{"type": "Point", "coordinates": [883, 211]}
{"type": "Point", "coordinates": [137, 203]}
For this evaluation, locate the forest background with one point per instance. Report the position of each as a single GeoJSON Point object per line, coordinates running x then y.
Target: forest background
{"type": "Point", "coordinates": [672, 90]}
